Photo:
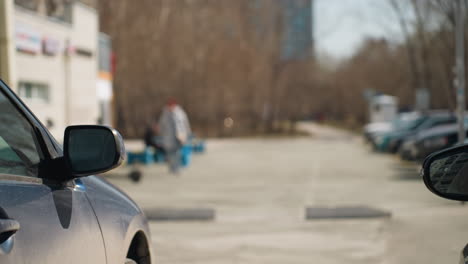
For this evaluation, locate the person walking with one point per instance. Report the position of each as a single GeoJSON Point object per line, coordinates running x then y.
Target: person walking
{"type": "Point", "coordinates": [174, 129]}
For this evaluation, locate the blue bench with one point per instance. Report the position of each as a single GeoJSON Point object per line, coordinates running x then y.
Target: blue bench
{"type": "Point", "coordinates": [198, 146]}
{"type": "Point", "coordinates": [146, 157]}
{"type": "Point", "coordinates": [149, 156]}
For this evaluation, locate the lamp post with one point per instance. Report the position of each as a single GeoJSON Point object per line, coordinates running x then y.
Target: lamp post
{"type": "Point", "coordinates": [7, 49]}
{"type": "Point", "coordinates": [460, 68]}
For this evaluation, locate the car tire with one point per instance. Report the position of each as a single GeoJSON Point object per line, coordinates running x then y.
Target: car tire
{"type": "Point", "coordinates": [130, 261]}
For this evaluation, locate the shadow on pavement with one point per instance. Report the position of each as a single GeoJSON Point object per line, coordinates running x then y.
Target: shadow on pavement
{"type": "Point", "coordinates": [181, 214]}
{"type": "Point", "coordinates": [345, 212]}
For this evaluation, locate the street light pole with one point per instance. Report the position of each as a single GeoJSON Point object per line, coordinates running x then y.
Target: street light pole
{"type": "Point", "coordinates": [7, 48]}
{"type": "Point", "coordinates": [460, 68]}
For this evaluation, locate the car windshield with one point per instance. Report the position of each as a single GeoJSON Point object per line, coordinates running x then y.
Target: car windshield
{"type": "Point", "coordinates": [401, 122]}
{"type": "Point", "coordinates": [410, 123]}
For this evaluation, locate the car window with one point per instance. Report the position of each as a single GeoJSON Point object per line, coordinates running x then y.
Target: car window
{"type": "Point", "coordinates": [19, 153]}
{"type": "Point", "coordinates": [416, 123]}
{"type": "Point", "coordinates": [432, 122]}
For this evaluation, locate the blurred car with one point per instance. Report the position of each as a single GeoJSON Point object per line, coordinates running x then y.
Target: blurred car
{"type": "Point", "coordinates": [428, 141]}
{"type": "Point", "coordinates": [372, 129]}
{"type": "Point", "coordinates": [375, 128]}
{"type": "Point", "coordinates": [53, 210]}
{"type": "Point", "coordinates": [391, 141]}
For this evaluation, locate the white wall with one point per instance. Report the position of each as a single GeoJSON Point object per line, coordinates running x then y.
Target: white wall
{"type": "Point", "coordinates": [84, 70]}
{"type": "Point", "coordinates": [71, 78]}
{"type": "Point", "coordinates": [44, 69]}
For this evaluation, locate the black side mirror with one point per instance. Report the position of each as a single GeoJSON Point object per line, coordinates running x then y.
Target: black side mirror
{"type": "Point", "coordinates": [92, 149]}
{"type": "Point", "coordinates": [445, 173]}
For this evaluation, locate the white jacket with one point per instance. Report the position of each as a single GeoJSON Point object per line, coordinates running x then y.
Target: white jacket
{"type": "Point", "coordinates": [174, 128]}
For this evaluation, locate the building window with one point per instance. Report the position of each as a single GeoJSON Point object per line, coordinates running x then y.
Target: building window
{"type": "Point", "coordinates": [28, 4]}
{"type": "Point", "coordinates": [32, 91]}
{"type": "Point", "coordinates": [59, 9]}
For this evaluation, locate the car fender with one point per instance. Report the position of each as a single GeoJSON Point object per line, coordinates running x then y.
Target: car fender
{"type": "Point", "coordinates": [118, 215]}
{"type": "Point", "coordinates": [139, 226]}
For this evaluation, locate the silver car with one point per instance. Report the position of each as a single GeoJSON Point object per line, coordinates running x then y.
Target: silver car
{"type": "Point", "coordinates": [52, 209]}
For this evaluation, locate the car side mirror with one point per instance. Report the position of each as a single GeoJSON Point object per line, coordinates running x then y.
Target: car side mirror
{"type": "Point", "coordinates": [91, 150]}
{"type": "Point", "coordinates": [445, 173]}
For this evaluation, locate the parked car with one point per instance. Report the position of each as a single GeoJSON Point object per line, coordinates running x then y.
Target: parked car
{"type": "Point", "coordinates": [445, 173]}
{"type": "Point", "coordinates": [428, 141]}
{"type": "Point", "coordinates": [372, 129]}
{"type": "Point", "coordinates": [375, 128]}
{"type": "Point", "coordinates": [53, 210]}
{"type": "Point", "coordinates": [391, 141]}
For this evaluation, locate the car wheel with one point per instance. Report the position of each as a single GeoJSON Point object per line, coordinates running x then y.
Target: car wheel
{"type": "Point", "coordinates": [130, 261]}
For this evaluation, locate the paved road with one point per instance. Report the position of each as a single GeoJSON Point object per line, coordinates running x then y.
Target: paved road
{"type": "Point", "coordinates": [260, 188]}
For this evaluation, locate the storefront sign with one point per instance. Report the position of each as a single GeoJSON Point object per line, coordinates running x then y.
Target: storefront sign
{"type": "Point", "coordinates": [50, 46]}
{"type": "Point", "coordinates": [27, 39]}
{"type": "Point", "coordinates": [83, 52]}
{"type": "Point", "coordinates": [71, 49]}
{"type": "Point", "coordinates": [104, 90]}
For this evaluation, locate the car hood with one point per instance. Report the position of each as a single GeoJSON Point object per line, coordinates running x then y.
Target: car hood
{"type": "Point", "coordinates": [378, 127]}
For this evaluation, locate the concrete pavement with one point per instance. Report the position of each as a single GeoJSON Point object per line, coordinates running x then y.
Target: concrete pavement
{"type": "Point", "coordinates": [261, 187]}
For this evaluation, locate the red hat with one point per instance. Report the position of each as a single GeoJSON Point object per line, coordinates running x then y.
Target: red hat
{"type": "Point", "coordinates": [171, 101]}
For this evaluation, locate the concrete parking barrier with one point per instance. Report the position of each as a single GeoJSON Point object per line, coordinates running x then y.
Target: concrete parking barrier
{"type": "Point", "coordinates": [345, 212]}
{"type": "Point", "coordinates": [182, 214]}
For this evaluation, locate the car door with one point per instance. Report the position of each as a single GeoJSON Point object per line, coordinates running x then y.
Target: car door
{"type": "Point", "coordinates": [41, 219]}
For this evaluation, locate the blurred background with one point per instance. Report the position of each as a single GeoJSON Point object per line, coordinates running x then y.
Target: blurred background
{"type": "Point", "coordinates": [279, 94]}
{"type": "Point", "coordinates": [261, 63]}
